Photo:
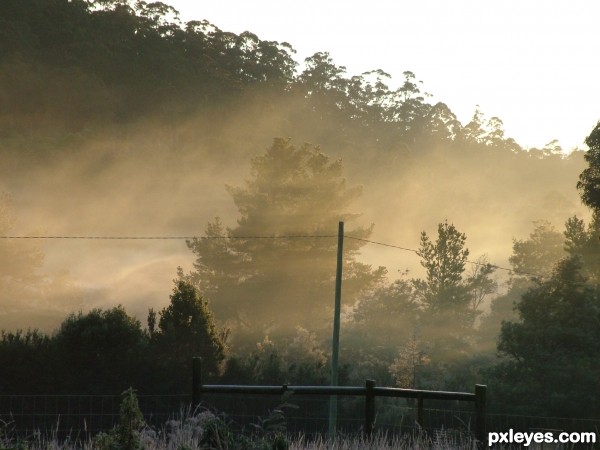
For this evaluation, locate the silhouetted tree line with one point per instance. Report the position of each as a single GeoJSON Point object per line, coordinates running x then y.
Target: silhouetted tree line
{"type": "Point", "coordinates": [78, 66]}
{"type": "Point", "coordinates": [105, 351]}
{"type": "Point", "coordinates": [119, 59]}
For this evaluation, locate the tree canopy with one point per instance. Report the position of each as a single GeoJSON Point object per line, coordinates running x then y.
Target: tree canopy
{"type": "Point", "coordinates": [188, 326]}
{"type": "Point", "coordinates": [589, 180]}
{"type": "Point", "coordinates": [450, 297]}
{"type": "Point", "coordinates": [279, 261]}
{"type": "Point", "coordinates": [555, 342]}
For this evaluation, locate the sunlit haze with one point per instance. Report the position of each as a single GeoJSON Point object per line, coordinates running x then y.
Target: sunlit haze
{"type": "Point", "coordinates": [311, 193]}
{"type": "Point", "coordinates": [154, 137]}
{"type": "Point", "coordinates": [532, 64]}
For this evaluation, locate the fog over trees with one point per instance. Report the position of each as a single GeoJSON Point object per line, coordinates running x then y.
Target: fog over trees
{"type": "Point", "coordinates": [118, 119]}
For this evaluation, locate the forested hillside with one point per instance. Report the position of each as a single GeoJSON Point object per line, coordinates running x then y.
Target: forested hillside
{"type": "Point", "coordinates": [118, 119]}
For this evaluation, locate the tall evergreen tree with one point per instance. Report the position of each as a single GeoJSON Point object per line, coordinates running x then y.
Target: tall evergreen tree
{"type": "Point", "coordinates": [449, 296]}
{"type": "Point", "coordinates": [186, 329]}
{"type": "Point", "coordinates": [589, 180]}
{"type": "Point", "coordinates": [279, 281]}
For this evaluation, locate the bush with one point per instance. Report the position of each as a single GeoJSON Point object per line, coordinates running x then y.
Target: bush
{"type": "Point", "coordinates": [126, 435]}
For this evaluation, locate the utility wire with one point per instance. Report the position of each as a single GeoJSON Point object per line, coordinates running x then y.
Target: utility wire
{"type": "Point", "coordinates": [494, 266]}
{"type": "Point", "coordinates": [166, 237]}
{"type": "Point", "coordinates": [383, 244]}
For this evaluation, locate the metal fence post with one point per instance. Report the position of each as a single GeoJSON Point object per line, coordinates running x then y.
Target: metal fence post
{"type": "Point", "coordinates": [196, 380]}
{"type": "Point", "coordinates": [480, 432]}
{"type": "Point", "coordinates": [369, 407]}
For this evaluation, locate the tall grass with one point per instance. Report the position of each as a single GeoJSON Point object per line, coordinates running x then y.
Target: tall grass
{"type": "Point", "coordinates": [204, 430]}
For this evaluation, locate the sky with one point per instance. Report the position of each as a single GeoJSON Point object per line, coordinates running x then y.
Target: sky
{"type": "Point", "coordinates": [529, 62]}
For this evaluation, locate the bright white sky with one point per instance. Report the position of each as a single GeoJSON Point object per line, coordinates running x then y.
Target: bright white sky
{"type": "Point", "coordinates": [533, 63]}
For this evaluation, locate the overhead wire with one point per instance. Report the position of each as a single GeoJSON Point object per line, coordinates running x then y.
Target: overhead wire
{"type": "Point", "coordinates": [384, 244]}
{"type": "Point", "coordinates": [493, 266]}
{"type": "Point", "coordinates": [167, 237]}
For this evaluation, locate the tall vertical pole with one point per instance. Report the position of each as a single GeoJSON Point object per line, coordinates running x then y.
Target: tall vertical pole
{"type": "Point", "coordinates": [336, 333]}
{"type": "Point", "coordinates": [480, 432]}
{"type": "Point", "coordinates": [196, 381]}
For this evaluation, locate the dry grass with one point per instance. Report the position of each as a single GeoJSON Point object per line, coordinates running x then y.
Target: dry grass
{"type": "Point", "coordinates": [189, 431]}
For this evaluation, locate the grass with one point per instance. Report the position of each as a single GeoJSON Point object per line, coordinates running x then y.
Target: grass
{"type": "Point", "coordinates": [205, 430]}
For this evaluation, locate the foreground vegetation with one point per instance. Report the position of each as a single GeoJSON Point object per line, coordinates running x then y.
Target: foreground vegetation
{"type": "Point", "coordinates": [204, 430]}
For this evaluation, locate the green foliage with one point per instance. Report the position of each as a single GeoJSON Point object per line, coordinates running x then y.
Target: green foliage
{"type": "Point", "coordinates": [444, 262]}
{"type": "Point", "coordinates": [450, 298]}
{"type": "Point", "coordinates": [552, 354]}
{"type": "Point", "coordinates": [584, 242]}
{"type": "Point", "coordinates": [187, 324]}
{"type": "Point", "coordinates": [293, 191]}
{"type": "Point", "coordinates": [268, 434]}
{"type": "Point", "coordinates": [419, 332]}
{"type": "Point", "coordinates": [407, 365]}
{"type": "Point", "coordinates": [119, 60]}
{"type": "Point", "coordinates": [589, 180]}
{"type": "Point", "coordinates": [532, 258]}
{"type": "Point", "coordinates": [100, 351]}
{"type": "Point", "coordinates": [537, 255]}
{"type": "Point", "coordinates": [70, 70]}
{"type": "Point", "coordinates": [25, 362]}
{"type": "Point", "coordinates": [295, 359]}
{"type": "Point", "coordinates": [382, 322]}
{"type": "Point", "coordinates": [103, 351]}
{"type": "Point", "coordinates": [126, 435]}
{"type": "Point", "coordinates": [186, 329]}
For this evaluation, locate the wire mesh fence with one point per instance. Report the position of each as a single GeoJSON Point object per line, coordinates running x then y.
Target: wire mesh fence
{"type": "Point", "coordinates": [80, 415]}
{"type": "Point", "coordinates": [86, 415]}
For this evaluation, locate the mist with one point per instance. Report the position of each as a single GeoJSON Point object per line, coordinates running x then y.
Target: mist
{"type": "Point", "coordinates": [85, 155]}
{"type": "Point", "coordinates": [169, 179]}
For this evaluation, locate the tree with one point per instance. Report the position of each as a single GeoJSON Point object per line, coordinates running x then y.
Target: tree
{"type": "Point", "coordinates": [552, 354]}
{"type": "Point", "coordinates": [449, 298]}
{"type": "Point", "coordinates": [581, 241]}
{"type": "Point", "coordinates": [381, 322]}
{"type": "Point", "coordinates": [281, 280]}
{"type": "Point", "coordinates": [534, 257]}
{"type": "Point", "coordinates": [584, 242]}
{"type": "Point", "coordinates": [408, 108]}
{"type": "Point", "coordinates": [537, 255]}
{"type": "Point", "coordinates": [411, 358]}
{"type": "Point", "coordinates": [126, 435]}
{"type": "Point", "coordinates": [186, 329]}
{"type": "Point", "coordinates": [589, 180]}
{"type": "Point", "coordinates": [100, 351]}
{"type": "Point", "coordinates": [25, 360]}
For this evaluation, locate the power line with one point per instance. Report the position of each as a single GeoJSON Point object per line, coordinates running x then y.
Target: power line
{"type": "Point", "coordinates": [383, 244]}
{"type": "Point", "coordinates": [494, 266]}
{"type": "Point", "coordinates": [122, 238]}
{"type": "Point", "coordinates": [326, 236]}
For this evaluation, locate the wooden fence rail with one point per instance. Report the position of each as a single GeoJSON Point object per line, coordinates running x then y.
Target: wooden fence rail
{"type": "Point", "coordinates": [370, 391]}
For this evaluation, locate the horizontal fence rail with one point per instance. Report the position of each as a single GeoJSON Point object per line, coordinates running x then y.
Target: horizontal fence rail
{"type": "Point", "coordinates": [370, 391]}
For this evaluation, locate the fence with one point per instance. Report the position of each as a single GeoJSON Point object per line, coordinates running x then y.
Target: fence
{"type": "Point", "coordinates": [85, 415]}
{"type": "Point", "coordinates": [362, 408]}
{"type": "Point", "coordinates": [369, 392]}
{"type": "Point", "coordinates": [81, 415]}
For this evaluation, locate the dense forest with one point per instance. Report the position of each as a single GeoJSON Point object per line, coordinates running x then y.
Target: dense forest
{"type": "Point", "coordinates": [118, 119]}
